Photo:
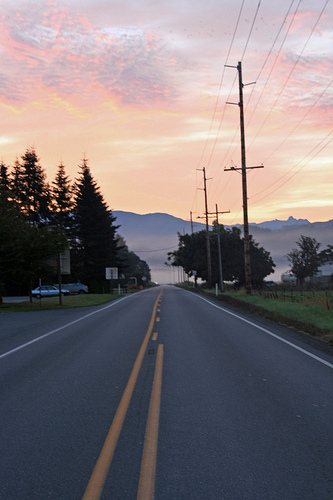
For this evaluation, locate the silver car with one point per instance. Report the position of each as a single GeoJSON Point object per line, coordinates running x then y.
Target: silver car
{"type": "Point", "coordinates": [48, 291]}
{"type": "Point", "coordinates": [75, 288]}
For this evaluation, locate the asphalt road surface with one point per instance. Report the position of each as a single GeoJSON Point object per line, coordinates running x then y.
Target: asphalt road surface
{"type": "Point", "coordinates": [162, 394]}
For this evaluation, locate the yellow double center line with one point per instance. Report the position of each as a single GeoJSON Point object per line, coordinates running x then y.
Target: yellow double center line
{"type": "Point", "coordinates": [147, 475]}
{"type": "Point", "coordinates": [97, 479]}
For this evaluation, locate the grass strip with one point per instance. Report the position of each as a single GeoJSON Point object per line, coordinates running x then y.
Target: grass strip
{"type": "Point", "coordinates": [70, 301]}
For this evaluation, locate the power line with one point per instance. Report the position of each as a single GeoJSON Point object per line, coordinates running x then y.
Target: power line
{"type": "Point", "coordinates": [299, 170]}
{"type": "Point", "coordinates": [293, 68]}
{"type": "Point", "coordinates": [217, 100]}
{"type": "Point", "coordinates": [220, 86]}
{"type": "Point", "coordinates": [276, 57]}
{"type": "Point", "coordinates": [301, 120]}
{"type": "Point", "coordinates": [224, 109]}
{"type": "Point", "coordinates": [269, 53]}
{"type": "Point", "coordinates": [153, 251]}
{"type": "Point", "coordinates": [252, 26]}
{"type": "Point", "coordinates": [282, 89]}
{"type": "Point", "coordinates": [288, 136]}
{"type": "Point", "coordinates": [280, 93]}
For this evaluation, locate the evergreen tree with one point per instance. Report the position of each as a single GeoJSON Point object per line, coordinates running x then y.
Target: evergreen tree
{"type": "Point", "coordinates": [62, 200]}
{"type": "Point", "coordinates": [139, 269]}
{"type": "Point", "coordinates": [31, 188]}
{"type": "Point", "coordinates": [16, 181]}
{"type": "Point", "coordinates": [95, 244]}
{"type": "Point", "coordinates": [4, 180]}
{"type": "Point", "coordinates": [24, 248]}
{"type": "Point", "coordinates": [130, 265]}
{"type": "Point", "coordinates": [12, 233]}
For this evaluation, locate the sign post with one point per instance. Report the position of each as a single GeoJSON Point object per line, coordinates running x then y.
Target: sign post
{"type": "Point", "coordinates": [111, 273]}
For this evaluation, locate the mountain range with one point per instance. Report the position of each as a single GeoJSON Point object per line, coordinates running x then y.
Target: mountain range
{"type": "Point", "coordinates": [152, 236]}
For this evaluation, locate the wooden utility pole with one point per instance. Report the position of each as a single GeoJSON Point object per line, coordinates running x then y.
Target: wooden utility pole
{"type": "Point", "coordinates": [209, 259]}
{"type": "Point", "coordinates": [244, 186]}
{"type": "Point", "coordinates": [245, 212]}
{"type": "Point", "coordinates": [216, 214]}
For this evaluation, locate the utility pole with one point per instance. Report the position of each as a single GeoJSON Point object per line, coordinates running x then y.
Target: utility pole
{"type": "Point", "coordinates": [191, 223]}
{"type": "Point", "coordinates": [245, 212]}
{"type": "Point", "coordinates": [216, 214]}
{"type": "Point", "coordinates": [244, 186]}
{"type": "Point", "coordinates": [209, 259]}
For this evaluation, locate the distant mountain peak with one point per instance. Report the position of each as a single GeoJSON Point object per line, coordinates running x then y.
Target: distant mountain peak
{"type": "Point", "coordinates": [152, 235]}
{"type": "Point", "coordinates": [277, 224]}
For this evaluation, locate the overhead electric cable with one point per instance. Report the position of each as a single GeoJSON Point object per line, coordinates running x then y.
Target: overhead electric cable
{"type": "Point", "coordinates": [217, 99]}
{"type": "Point", "coordinates": [300, 121]}
{"type": "Point", "coordinates": [296, 62]}
{"type": "Point", "coordinates": [269, 53]}
{"type": "Point", "coordinates": [252, 26]}
{"type": "Point", "coordinates": [245, 48]}
{"type": "Point", "coordinates": [224, 108]}
{"type": "Point", "coordinates": [153, 251]}
{"type": "Point", "coordinates": [299, 170]}
{"type": "Point", "coordinates": [276, 57]}
{"type": "Point", "coordinates": [293, 68]}
{"type": "Point", "coordinates": [221, 83]}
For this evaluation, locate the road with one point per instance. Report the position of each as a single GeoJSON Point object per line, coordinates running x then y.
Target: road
{"type": "Point", "coordinates": [162, 394]}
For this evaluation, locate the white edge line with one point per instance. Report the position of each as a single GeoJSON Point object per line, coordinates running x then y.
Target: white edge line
{"type": "Point", "coordinates": [317, 358]}
{"type": "Point", "coordinates": [62, 327]}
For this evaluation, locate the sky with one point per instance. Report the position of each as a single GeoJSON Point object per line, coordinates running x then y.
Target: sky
{"type": "Point", "coordinates": [140, 88]}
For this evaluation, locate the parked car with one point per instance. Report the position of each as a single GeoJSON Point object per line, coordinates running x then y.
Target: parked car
{"type": "Point", "coordinates": [48, 291]}
{"type": "Point", "coordinates": [76, 288]}
{"type": "Point", "coordinates": [270, 284]}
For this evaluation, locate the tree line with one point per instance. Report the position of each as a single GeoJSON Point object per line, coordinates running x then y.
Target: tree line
{"type": "Point", "coordinates": [192, 256]}
{"type": "Point", "coordinates": [40, 220]}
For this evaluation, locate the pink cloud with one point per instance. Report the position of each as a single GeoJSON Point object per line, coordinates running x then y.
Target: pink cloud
{"type": "Point", "coordinates": [56, 49]}
{"type": "Point", "coordinates": [301, 21]}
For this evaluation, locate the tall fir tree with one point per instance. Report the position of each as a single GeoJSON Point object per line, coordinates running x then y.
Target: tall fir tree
{"type": "Point", "coordinates": [24, 248]}
{"type": "Point", "coordinates": [4, 179]}
{"type": "Point", "coordinates": [62, 200]}
{"type": "Point", "coordinates": [95, 232]}
{"type": "Point", "coordinates": [31, 188]}
{"type": "Point", "coordinates": [27, 240]}
{"type": "Point", "coordinates": [16, 181]}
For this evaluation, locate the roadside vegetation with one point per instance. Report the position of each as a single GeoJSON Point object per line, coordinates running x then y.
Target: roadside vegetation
{"type": "Point", "coordinates": [43, 223]}
{"type": "Point", "coordinates": [309, 311]}
{"type": "Point", "coordinates": [227, 247]}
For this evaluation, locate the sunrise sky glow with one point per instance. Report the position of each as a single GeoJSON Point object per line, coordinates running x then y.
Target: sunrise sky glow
{"type": "Point", "coordinates": [140, 88]}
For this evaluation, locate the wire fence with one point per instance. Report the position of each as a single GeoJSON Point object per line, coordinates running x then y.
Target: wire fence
{"type": "Point", "coordinates": [322, 299]}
